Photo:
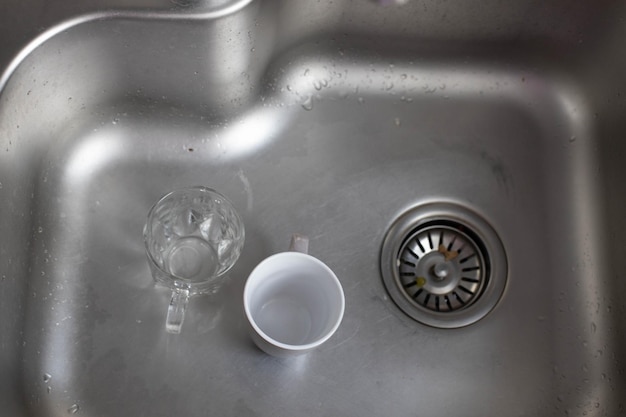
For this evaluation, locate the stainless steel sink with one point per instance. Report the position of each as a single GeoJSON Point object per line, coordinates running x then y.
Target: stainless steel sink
{"type": "Point", "coordinates": [332, 119]}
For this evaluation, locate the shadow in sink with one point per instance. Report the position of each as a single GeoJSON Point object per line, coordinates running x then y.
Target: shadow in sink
{"type": "Point", "coordinates": [332, 138]}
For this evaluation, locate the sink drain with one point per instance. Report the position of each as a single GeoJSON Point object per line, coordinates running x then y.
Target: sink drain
{"type": "Point", "coordinates": [443, 265]}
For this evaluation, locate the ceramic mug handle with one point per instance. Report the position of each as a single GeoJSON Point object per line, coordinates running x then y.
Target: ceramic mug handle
{"type": "Point", "coordinates": [299, 243]}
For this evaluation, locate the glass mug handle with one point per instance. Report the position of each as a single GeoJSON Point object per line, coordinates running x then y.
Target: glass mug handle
{"type": "Point", "coordinates": [176, 310]}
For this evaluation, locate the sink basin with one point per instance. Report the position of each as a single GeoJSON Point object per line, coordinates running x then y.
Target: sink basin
{"type": "Point", "coordinates": [332, 119]}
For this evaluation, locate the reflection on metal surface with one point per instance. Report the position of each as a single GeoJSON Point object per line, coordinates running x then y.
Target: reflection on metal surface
{"type": "Point", "coordinates": [243, 137]}
{"type": "Point", "coordinates": [93, 154]}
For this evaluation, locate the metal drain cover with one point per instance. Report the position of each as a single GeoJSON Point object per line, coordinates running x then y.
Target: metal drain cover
{"type": "Point", "coordinates": [443, 265]}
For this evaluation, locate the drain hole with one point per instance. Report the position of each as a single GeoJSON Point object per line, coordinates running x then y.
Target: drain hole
{"type": "Point", "coordinates": [437, 271]}
{"type": "Point", "coordinates": [427, 276]}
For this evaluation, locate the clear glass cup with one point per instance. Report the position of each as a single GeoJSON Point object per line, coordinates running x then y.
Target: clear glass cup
{"type": "Point", "coordinates": [193, 236]}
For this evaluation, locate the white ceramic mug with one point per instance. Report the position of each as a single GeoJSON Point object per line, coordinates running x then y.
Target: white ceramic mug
{"type": "Point", "coordinates": [293, 301]}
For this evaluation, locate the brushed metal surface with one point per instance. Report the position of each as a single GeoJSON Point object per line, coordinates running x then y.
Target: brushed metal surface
{"type": "Point", "coordinates": [329, 119]}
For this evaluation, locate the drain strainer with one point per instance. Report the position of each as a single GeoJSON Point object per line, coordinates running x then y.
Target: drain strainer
{"type": "Point", "coordinates": [443, 265]}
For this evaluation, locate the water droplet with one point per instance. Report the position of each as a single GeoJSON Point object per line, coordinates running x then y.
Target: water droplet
{"type": "Point", "coordinates": [288, 87]}
{"type": "Point", "coordinates": [572, 139]}
{"type": "Point", "coordinates": [361, 100]}
{"type": "Point", "coordinates": [396, 121]}
{"type": "Point", "coordinates": [48, 389]}
{"type": "Point", "coordinates": [307, 104]}
{"type": "Point", "coordinates": [73, 409]}
{"type": "Point", "coordinates": [40, 229]}
{"type": "Point", "coordinates": [317, 85]}
{"type": "Point", "coordinates": [593, 328]}
{"type": "Point", "coordinates": [47, 377]}
{"type": "Point", "coordinates": [389, 87]}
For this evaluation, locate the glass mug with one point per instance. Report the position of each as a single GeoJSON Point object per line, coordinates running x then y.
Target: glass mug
{"type": "Point", "coordinates": [193, 237]}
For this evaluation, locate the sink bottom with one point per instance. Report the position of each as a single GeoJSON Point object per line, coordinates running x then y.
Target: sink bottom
{"type": "Point", "coordinates": [338, 164]}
